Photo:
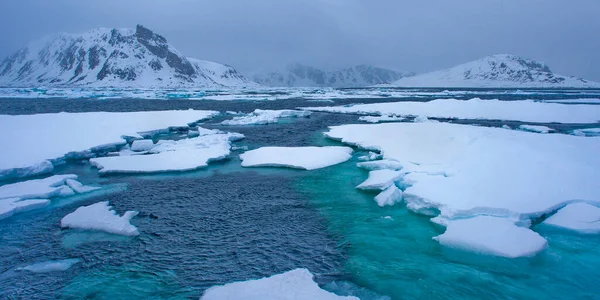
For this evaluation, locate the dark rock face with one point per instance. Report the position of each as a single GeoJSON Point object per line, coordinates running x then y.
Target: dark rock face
{"type": "Point", "coordinates": [114, 56]}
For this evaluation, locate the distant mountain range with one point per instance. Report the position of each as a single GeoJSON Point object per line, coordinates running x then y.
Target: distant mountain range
{"type": "Point", "coordinates": [298, 75]}
{"type": "Point", "coordinates": [501, 70]}
{"type": "Point", "coordinates": [112, 57]}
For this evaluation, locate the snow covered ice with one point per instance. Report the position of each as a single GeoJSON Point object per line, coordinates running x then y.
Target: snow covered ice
{"type": "Point", "coordinates": [534, 128]}
{"type": "Point", "coordinates": [389, 196]}
{"type": "Point", "coordinates": [306, 158]}
{"type": "Point", "coordinates": [579, 217]}
{"type": "Point", "coordinates": [263, 117]}
{"type": "Point", "coordinates": [100, 216]}
{"type": "Point", "coordinates": [34, 194]}
{"type": "Point", "coordinates": [380, 180]}
{"type": "Point", "coordinates": [51, 266]}
{"type": "Point", "coordinates": [293, 285]}
{"type": "Point", "coordinates": [464, 171]}
{"type": "Point", "coordinates": [523, 110]}
{"type": "Point", "coordinates": [73, 133]}
{"type": "Point", "coordinates": [491, 235]}
{"type": "Point", "coordinates": [142, 145]}
{"type": "Point", "coordinates": [166, 155]}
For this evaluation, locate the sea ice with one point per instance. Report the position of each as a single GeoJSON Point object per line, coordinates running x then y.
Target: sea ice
{"type": "Point", "coordinates": [262, 117]}
{"type": "Point", "coordinates": [525, 110]}
{"type": "Point", "coordinates": [380, 165]}
{"type": "Point", "coordinates": [167, 155]}
{"type": "Point", "coordinates": [587, 132]}
{"type": "Point", "coordinates": [51, 266]}
{"type": "Point", "coordinates": [380, 180]}
{"type": "Point", "coordinates": [142, 145]}
{"type": "Point", "coordinates": [100, 216]}
{"type": "Point", "coordinates": [493, 236]}
{"type": "Point", "coordinates": [389, 196]}
{"type": "Point", "coordinates": [464, 170]}
{"type": "Point", "coordinates": [580, 217]}
{"type": "Point", "coordinates": [36, 188]}
{"type": "Point", "coordinates": [80, 188]}
{"type": "Point", "coordinates": [535, 128]}
{"type": "Point", "coordinates": [293, 285]}
{"type": "Point", "coordinates": [380, 119]}
{"type": "Point", "coordinates": [11, 206]}
{"type": "Point", "coordinates": [306, 158]}
{"type": "Point", "coordinates": [77, 133]}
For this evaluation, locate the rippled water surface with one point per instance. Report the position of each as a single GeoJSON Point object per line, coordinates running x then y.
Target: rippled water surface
{"type": "Point", "coordinates": [226, 223]}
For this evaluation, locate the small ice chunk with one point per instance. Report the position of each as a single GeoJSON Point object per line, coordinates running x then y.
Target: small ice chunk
{"type": "Point", "coordinates": [100, 216]}
{"type": "Point", "coordinates": [293, 285]}
{"type": "Point", "coordinates": [535, 128]}
{"type": "Point", "coordinates": [379, 119]}
{"type": "Point", "coordinates": [506, 126]}
{"type": "Point", "coordinates": [423, 119]}
{"type": "Point", "coordinates": [380, 180]}
{"type": "Point", "coordinates": [12, 206]}
{"type": "Point", "coordinates": [51, 266]}
{"type": "Point", "coordinates": [380, 165]}
{"type": "Point", "coordinates": [306, 158]}
{"type": "Point", "coordinates": [80, 188]}
{"type": "Point", "coordinates": [370, 156]}
{"type": "Point", "coordinates": [263, 117]}
{"type": "Point", "coordinates": [493, 236]}
{"type": "Point", "coordinates": [580, 217]}
{"type": "Point", "coordinates": [587, 132]}
{"type": "Point", "coordinates": [389, 196]}
{"type": "Point", "coordinates": [142, 145]}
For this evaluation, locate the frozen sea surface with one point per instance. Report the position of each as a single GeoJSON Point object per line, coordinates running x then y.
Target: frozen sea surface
{"type": "Point", "coordinates": [226, 224]}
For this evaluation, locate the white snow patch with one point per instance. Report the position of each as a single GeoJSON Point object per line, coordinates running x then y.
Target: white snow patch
{"type": "Point", "coordinates": [142, 145]}
{"type": "Point", "coordinates": [580, 217]}
{"type": "Point", "coordinates": [168, 155]}
{"type": "Point", "coordinates": [263, 117]}
{"type": "Point", "coordinates": [526, 110]}
{"type": "Point", "coordinates": [51, 266]}
{"type": "Point", "coordinates": [380, 180]}
{"type": "Point", "coordinates": [306, 158]}
{"type": "Point", "coordinates": [493, 236]}
{"type": "Point", "coordinates": [293, 285]}
{"type": "Point", "coordinates": [100, 216]}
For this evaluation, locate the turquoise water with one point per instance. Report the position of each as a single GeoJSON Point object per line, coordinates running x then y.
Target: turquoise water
{"type": "Point", "coordinates": [390, 251]}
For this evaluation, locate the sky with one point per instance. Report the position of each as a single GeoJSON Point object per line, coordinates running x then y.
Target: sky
{"type": "Point", "coordinates": [253, 35]}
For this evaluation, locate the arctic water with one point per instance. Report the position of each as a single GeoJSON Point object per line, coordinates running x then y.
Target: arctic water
{"type": "Point", "coordinates": [226, 223]}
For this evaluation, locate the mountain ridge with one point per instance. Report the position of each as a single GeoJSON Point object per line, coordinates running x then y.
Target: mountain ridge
{"type": "Point", "coordinates": [499, 70]}
{"type": "Point", "coordinates": [104, 57]}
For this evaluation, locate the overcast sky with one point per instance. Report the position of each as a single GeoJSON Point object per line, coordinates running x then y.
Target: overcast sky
{"type": "Point", "coordinates": [415, 35]}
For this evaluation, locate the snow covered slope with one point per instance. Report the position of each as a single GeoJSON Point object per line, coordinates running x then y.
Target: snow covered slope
{"type": "Point", "coordinates": [501, 70]}
{"type": "Point", "coordinates": [112, 57]}
{"type": "Point", "coordinates": [297, 75]}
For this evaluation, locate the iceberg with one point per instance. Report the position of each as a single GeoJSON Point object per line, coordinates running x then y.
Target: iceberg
{"type": "Point", "coordinates": [51, 266]}
{"type": "Point", "coordinates": [167, 155]}
{"type": "Point", "coordinates": [492, 236]}
{"type": "Point", "coordinates": [305, 158]}
{"type": "Point", "coordinates": [263, 117]}
{"type": "Point", "coordinates": [78, 133]}
{"type": "Point", "coordinates": [524, 110]}
{"type": "Point", "coordinates": [100, 216]}
{"type": "Point", "coordinates": [380, 180]}
{"type": "Point", "coordinates": [579, 217]}
{"type": "Point", "coordinates": [293, 285]}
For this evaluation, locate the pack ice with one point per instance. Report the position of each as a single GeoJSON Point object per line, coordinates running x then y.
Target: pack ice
{"type": "Point", "coordinates": [100, 216]}
{"type": "Point", "coordinates": [293, 285]}
{"type": "Point", "coordinates": [305, 158]}
{"type": "Point", "coordinates": [526, 110]}
{"type": "Point", "coordinates": [46, 138]}
{"type": "Point", "coordinates": [33, 194]}
{"type": "Point", "coordinates": [461, 172]}
{"type": "Point", "coordinates": [263, 117]}
{"type": "Point", "coordinates": [167, 155]}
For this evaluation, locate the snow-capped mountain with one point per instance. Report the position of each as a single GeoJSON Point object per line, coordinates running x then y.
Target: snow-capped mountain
{"type": "Point", "coordinates": [112, 57]}
{"type": "Point", "coordinates": [501, 70]}
{"type": "Point", "coordinates": [298, 75]}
